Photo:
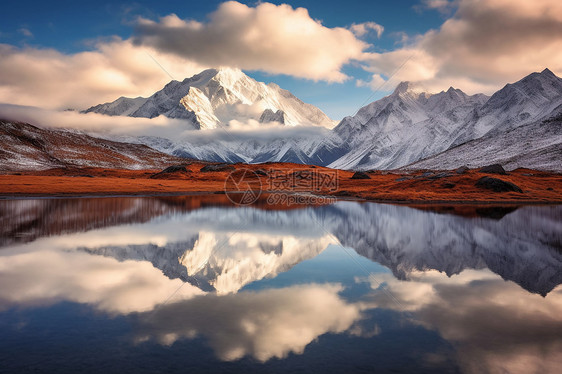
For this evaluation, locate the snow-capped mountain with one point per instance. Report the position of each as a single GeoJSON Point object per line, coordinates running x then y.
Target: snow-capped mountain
{"type": "Point", "coordinates": [410, 125]}
{"type": "Point", "coordinates": [537, 145]}
{"type": "Point", "coordinates": [398, 130]}
{"type": "Point", "coordinates": [215, 97]}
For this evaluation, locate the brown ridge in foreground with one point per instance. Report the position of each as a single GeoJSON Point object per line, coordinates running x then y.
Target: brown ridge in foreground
{"type": "Point", "coordinates": [387, 186]}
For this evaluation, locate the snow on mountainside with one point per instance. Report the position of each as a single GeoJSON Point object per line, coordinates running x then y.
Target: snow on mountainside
{"type": "Point", "coordinates": [26, 147]}
{"type": "Point", "coordinates": [403, 127]}
{"type": "Point", "coordinates": [537, 146]}
{"type": "Point", "coordinates": [533, 98]}
{"type": "Point", "coordinates": [410, 125]}
{"type": "Point", "coordinates": [217, 96]}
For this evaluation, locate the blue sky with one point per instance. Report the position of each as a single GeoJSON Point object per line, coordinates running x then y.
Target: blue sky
{"type": "Point", "coordinates": [474, 45]}
{"type": "Point", "coordinates": [70, 27]}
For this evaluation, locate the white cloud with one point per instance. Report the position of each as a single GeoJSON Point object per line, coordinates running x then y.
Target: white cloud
{"type": "Point", "coordinates": [495, 326]}
{"type": "Point", "coordinates": [443, 6]}
{"type": "Point", "coordinates": [109, 285]}
{"type": "Point", "coordinates": [273, 38]}
{"type": "Point", "coordinates": [361, 29]}
{"type": "Point", "coordinates": [50, 79]}
{"type": "Point", "coordinates": [25, 32]}
{"type": "Point", "coordinates": [93, 122]}
{"type": "Point", "coordinates": [265, 324]}
{"type": "Point", "coordinates": [483, 46]}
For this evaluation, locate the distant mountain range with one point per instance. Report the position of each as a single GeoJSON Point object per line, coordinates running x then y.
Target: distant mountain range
{"type": "Point", "coordinates": [518, 126]}
{"type": "Point", "coordinates": [396, 131]}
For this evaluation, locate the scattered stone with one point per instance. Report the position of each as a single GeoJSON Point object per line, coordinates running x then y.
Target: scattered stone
{"type": "Point", "coordinates": [550, 189]}
{"type": "Point", "coordinates": [426, 174]}
{"type": "Point", "coordinates": [217, 167]}
{"type": "Point", "coordinates": [403, 179]}
{"type": "Point", "coordinates": [260, 172]}
{"type": "Point", "coordinates": [174, 169]}
{"type": "Point", "coordinates": [170, 170]}
{"type": "Point", "coordinates": [439, 176]}
{"type": "Point", "coordinates": [360, 175]}
{"type": "Point", "coordinates": [497, 185]}
{"type": "Point", "coordinates": [449, 185]}
{"type": "Point", "coordinates": [462, 170]}
{"type": "Point", "coordinates": [493, 169]}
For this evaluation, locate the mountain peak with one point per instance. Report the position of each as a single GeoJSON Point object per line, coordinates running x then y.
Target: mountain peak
{"type": "Point", "coordinates": [547, 71]}
{"type": "Point", "coordinates": [409, 88]}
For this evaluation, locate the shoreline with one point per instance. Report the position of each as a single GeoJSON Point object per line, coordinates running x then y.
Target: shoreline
{"type": "Point", "coordinates": [391, 187]}
{"type": "Point", "coordinates": [4, 197]}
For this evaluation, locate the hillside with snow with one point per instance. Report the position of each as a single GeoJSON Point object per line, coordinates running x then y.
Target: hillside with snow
{"type": "Point", "coordinates": [27, 147]}
{"type": "Point", "coordinates": [216, 97]}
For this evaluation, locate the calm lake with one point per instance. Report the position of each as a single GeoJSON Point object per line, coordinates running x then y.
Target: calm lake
{"type": "Point", "coordinates": [185, 284]}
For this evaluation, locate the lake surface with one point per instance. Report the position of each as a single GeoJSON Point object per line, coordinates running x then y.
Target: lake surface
{"type": "Point", "coordinates": [185, 284]}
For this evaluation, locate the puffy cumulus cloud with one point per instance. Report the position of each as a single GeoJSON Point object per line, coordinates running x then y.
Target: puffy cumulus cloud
{"type": "Point", "coordinates": [273, 38]}
{"type": "Point", "coordinates": [361, 29]}
{"type": "Point", "coordinates": [265, 324]}
{"type": "Point", "coordinates": [483, 46]}
{"type": "Point", "coordinates": [48, 276]}
{"type": "Point", "coordinates": [495, 325]}
{"type": "Point", "coordinates": [51, 79]}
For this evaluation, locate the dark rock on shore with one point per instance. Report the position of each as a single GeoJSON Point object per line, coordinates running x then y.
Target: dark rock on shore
{"type": "Point", "coordinates": [493, 169]}
{"type": "Point", "coordinates": [360, 175]}
{"type": "Point", "coordinates": [497, 185]}
{"type": "Point", "coordinates": [217, 167]}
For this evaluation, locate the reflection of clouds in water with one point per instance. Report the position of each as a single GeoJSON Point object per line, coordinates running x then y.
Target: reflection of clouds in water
{"type": "Point", "coordinates": [495, 325]}
{"type": "Point", "coordinates": [265, 324]}
{"type": "Point", "coordinates": [46, 277]}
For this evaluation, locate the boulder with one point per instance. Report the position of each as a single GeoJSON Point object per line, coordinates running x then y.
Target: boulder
{"type": "Point", "coordinates": [493, 169]}
{"type": "Point", "coordinates": [497, 185]}
{"type": "Point", "coordinates": [217, 167]}
{"type": "Point", "coordinates": [174, 169]}
{"type": "Point", "coordinates": [360, 175]}
{"type": "Point", "coordinates": [462, 170]}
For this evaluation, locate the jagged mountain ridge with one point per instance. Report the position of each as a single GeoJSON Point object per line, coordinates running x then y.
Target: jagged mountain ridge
{"type": "Point", "coordinates": [215, 97]}
{"type": "Point", "coordinates": [405, 127]}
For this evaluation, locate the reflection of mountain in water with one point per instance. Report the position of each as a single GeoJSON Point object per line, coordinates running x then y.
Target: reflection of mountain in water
{"type": "Point", "coordinates": [224, 248]}
{"type": "Point", "coordinates": [524, 246]}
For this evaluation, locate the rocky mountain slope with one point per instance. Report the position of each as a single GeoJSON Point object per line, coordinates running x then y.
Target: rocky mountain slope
{"type": "Point", "coordinates": [411, 125]}
{"type": "Point", "coordinates": [537, 146]}
{"type": "Point", "coordinates": [215, 97]}
{"type": "Point", "coordinates": [27, 147]}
